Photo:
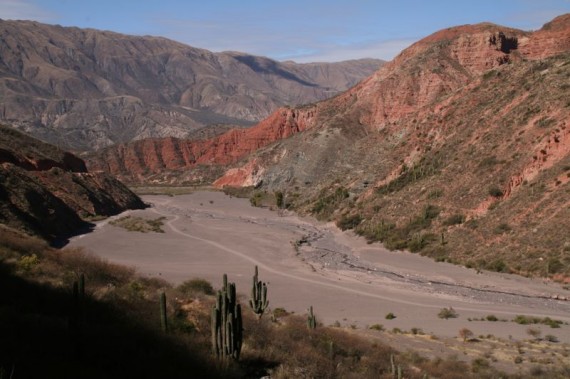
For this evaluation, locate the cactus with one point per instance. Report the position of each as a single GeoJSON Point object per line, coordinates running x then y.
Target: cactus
{"type": "Point", "coordinates": [76, 311]}
{"type": "Point", "coordinates": [81, 286]}
{"type": "Point", "coordinates": [226, 327]}
{"type": "Point", "coordinates": [392, 365]}
{"type": "Point", "coordinates": [163, 318]}
{"type": "Point", "coordinates": [399, 372]}
{"type": "Point", "coordinates": [258, 301]}
{"type": "Point", "coordinates": [311, 319]}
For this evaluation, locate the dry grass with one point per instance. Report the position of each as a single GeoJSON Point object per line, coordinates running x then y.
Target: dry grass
{"type": "Point", "coordinates": [138, 224]}
{"type": "Point", "coordinates": [123, 307]}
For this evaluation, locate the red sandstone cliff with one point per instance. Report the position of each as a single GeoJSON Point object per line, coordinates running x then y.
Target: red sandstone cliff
{"type": "Point", "coordinates": [140, 158]}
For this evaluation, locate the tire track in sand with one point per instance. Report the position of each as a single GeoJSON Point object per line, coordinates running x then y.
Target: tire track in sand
{"type": "Point", "coordinates": [170, 224]}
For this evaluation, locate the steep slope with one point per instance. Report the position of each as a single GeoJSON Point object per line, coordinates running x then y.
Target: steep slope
{"type": "Point", "coordinates": [46, 191]}
{"type": "Point", "coordinates": [459, 149]}
{"type": "Point", "coordinates": [86, 89]}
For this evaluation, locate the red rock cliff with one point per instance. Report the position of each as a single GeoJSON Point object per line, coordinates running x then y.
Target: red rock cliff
{"type": "Point", "coordinates": [155, 155]}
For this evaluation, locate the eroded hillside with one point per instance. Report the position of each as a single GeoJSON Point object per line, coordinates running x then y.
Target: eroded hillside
{"type": "Point", "coordinates": [86, 89]}
{"type": "Point", "coordinates": [49, 192]}
{"type": "Point", "coordinates": [457, 149]}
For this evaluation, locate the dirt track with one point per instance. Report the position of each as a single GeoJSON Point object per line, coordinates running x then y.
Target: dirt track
{"type": "Point", "coordinates": [345, 279]}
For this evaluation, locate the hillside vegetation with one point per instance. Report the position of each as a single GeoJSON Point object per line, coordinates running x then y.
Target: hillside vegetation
{"type": "Point", "coordinates": [114, 331]}
{"type": "Point", "coordinates": [458, 149]}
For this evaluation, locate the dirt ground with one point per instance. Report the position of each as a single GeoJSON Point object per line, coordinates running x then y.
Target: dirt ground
{"type": "Point", "coordinates": [348, 282]}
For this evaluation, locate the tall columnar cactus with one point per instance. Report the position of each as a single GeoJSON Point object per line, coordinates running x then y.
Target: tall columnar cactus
{"type": "Point", "coordinates": [258, 301]}
{"type": "Point", "coordinates": [76, 311]}
{"type": "Point", "coordinates": [163, 318]}
{"type": "Point", "coordinates": [311, 319]}
{"type": "Point", "coordinates": [227, 328]}
{"type": "Point", "coordinates": [395, 370]}
{"type": "Point", "coordinates": [82, 285]}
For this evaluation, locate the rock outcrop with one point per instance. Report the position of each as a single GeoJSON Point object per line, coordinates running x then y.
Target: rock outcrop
{"type": "Point", "coordinates": [138, 159]}
{"type": "Point", "coordinates": [49, 192]}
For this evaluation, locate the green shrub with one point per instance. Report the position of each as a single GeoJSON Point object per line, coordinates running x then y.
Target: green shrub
{"type": "Point", "coordinates": [434, 194]}
{"type": "Point", "coordinates": [526, 320]}
{"type": "Point", "coordinates": [430, 212]}
{"type": "Point", "coordinates": [416, 331]}
{"type": "Point", "coordinates": [447, 313]}
{"type": "Point", "coordinates": [349, 221]}
{"type": "Point", "coordinates": [455, 219]}
{"type": "Point", "coordinates": [419, 241]}
{"type": "Point", "coordinates": [256, 199]}
{"type": "Point", "coordinates": [426, 167]}
{"type": "Point", "coordinates": [193, 286]}
{"type": "Point", "coordinates": [390, 316]}
{"type": "Point", "coordinates": [28, 262]}
{"type": "Point", "coordinates": [326, 204]}
{"type": "Point", "coordinates": [492, 318]}
{"type": "Point", "coordinates": [498, 265]}
{"type": "Point", "coordinates": [495, 191]}
{"type": "Point", "coordinates": [502, 228]}
{"type": "Point", "coordinates": [554, 266]}
{"type": "Point", "coordinates": [378, 327]}
{"type": "Point", "coordinates": [279, 199]}
{"type": "Point", "coordinates": [280, 312]}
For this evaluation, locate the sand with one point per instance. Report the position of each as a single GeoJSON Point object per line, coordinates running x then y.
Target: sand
{"type": "Point", "coordinates": [345, 279]}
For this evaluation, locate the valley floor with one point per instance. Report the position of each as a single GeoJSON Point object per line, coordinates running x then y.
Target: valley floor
{"type": "Point", "coordinates": [347, 281]}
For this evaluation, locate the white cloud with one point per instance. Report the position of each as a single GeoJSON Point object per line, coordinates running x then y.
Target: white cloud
{"type": "Point", "coordinates": [23, 10]}
{"type": "Point", "coordinates": [299, 45]}
{"type": "Point", "coordinates": [386, 50]}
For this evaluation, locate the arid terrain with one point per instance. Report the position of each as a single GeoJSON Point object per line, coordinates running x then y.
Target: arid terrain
{"type": "Point", "coordinates": [84, 89]}
{"type": "Point", "coordinates": [49, 192]}
{"type": "Point", "coordinates": [457, 149]}
{"type": "Point", "coordinates": [349, 282]}
{"type": "Point", "coordinates": [426, 206]}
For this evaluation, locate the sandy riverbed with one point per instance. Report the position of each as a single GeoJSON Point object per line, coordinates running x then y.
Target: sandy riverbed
{"type": "Point", "coordinates": [345, 279]}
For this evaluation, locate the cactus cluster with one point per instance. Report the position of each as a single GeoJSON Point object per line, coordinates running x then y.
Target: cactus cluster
{"type": "Point", "coordinates": [258, 301]}
{"type": "Point", "coordinates": [311, 319]}
{"type": "Point", "coordinates": [227, 329]}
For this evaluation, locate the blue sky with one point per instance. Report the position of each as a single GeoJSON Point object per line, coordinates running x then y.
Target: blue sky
{"type": "Point", "coordinates": [299, 30]}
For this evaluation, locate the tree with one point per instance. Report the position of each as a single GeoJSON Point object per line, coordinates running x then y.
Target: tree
{"type": "Point", "coordinates": [465, 334]}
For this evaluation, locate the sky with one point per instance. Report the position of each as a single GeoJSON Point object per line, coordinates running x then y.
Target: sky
{"type": "Point", "coordinates": [298, 30]}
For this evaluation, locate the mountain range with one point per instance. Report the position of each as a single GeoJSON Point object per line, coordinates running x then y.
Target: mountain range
{"type": "Point", "coordinates": [85, 89]}
{"type": "Point", "coordinates": [457, 149]}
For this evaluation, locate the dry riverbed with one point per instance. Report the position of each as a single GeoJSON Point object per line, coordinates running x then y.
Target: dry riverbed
{"type": "Point", "coordinates": [348, 282]}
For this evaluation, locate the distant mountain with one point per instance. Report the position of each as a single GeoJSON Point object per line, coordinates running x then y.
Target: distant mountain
{"type": "Point", "coordinates": [86, 89]}
{"type": "Point", "coordinates": [459, 149]}
{"type": "Point", "coordinates": [49, 192]}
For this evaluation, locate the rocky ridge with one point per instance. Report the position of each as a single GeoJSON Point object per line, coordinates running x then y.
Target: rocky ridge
{"type": "Point", "coordinates": [49, 192]}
